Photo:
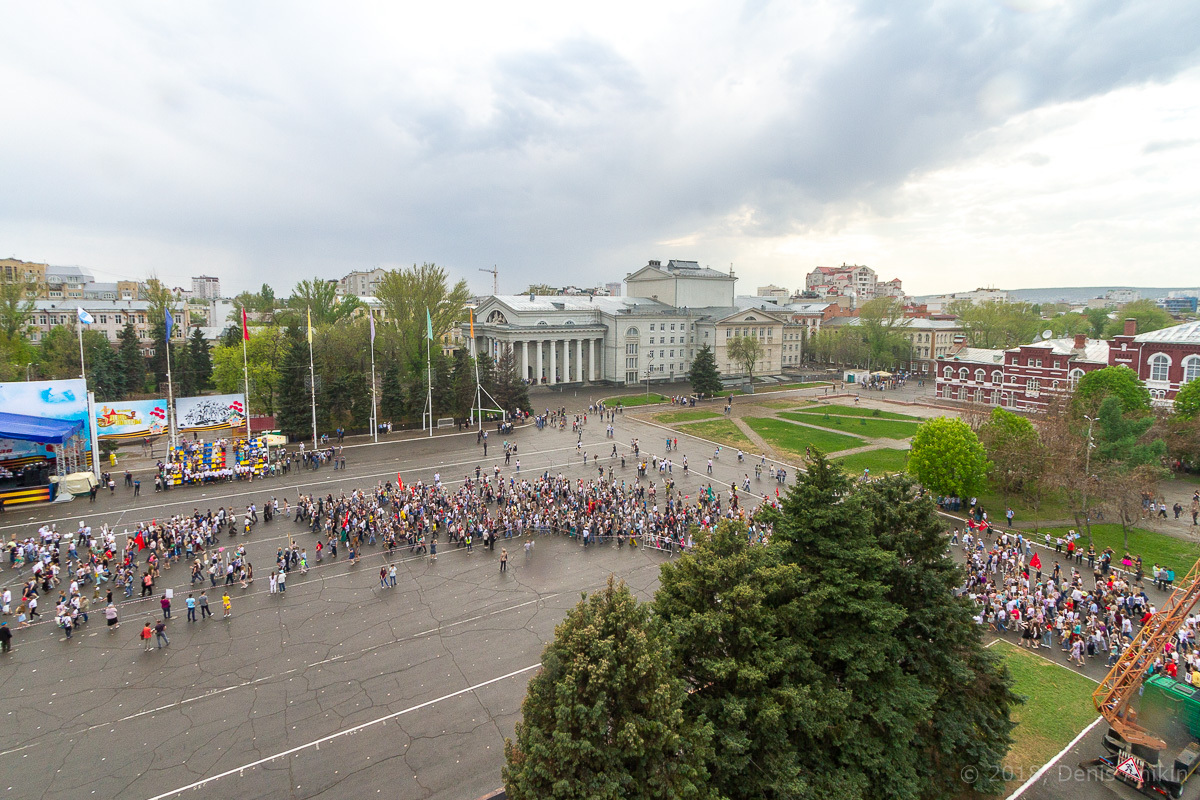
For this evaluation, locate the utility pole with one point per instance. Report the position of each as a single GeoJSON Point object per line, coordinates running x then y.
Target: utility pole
{"type": "Point", "coordinates": [495, 273]}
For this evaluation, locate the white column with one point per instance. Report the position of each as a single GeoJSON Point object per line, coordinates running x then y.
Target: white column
{"type": "Point", "coordinates": [592, 358]}
{"type": "Point", "coordinates": [553, 362]}
{"type": "Point", "coordinates": [525, 360]}
{"type": "Point", "coordinates": [566, 373]}
{"type": "Point", "coordinates": [537, 378]}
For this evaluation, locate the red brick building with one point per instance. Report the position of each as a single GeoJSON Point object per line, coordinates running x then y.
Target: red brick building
{"type": "Point", "coordinates": [1024, 378]}
{"type": "Point", "coordinates": [1165, 359]}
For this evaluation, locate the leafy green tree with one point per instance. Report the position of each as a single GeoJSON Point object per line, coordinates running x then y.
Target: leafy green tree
{"type": "Point", "coordinates": [265, 354]}
{"type": "Point", "coordinates": [16, 305]}
{"type": "Point", "coordinates": [319, 296]}
{"type": "Point", "coordinates": [997, 324]}
{"type": "Point", "coordinates": [1070, 323]}
{"type": "Point", "coordinates": [406, 296]}
{"type": "Point", "coordinates": [130, 359]}
{"type": "Point", "coordinates": [1120, 382]}
{"type": "Point", "coordinates": [58, 353]}
{"type": "Point", "coordinates": [1014, 451]}
{"type": "Point", "coordinates": [1148, 315]}
{"type": "Point", "coordinates": [1187, 400]}
{"type": "Point", "coordinates": [947, 457]}
{"type": "Point", "coordinates": [542, 289]}
{"type": "Point", "coordinates": [603, 719]}
{"type": "Point", "coordinates": [882, 323]}
{"type": "Point", "coordinates": [703, 373]}
{"type": "Point", "coordinates": [1098, 317]}
{"type": "Point", "coordinates": [746, 352]}
{"type": "Point", "coordinates": [201, 359]}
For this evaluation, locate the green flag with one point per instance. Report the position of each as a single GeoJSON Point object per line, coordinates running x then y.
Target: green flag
{"type": "Point", "coordinates": [428, 325]}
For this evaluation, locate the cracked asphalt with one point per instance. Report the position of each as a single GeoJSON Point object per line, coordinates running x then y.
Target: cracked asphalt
{"type": "Point", "coordinates": [336, 688]}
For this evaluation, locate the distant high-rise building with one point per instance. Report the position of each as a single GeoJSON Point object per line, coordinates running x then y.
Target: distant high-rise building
{"type": "Point", "coordinates": [848, 280]}
{"type": "Point", "coordinates": [206, 287]}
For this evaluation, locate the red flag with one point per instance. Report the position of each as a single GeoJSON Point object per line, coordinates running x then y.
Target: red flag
{"type": "Point", "coordinates": [245, 326]}
{"type": "Point", "coordinates": [1035, 562]}
{"type": "Point", "coordinates": [399, 482]}
{"type": "Point", "coordinates": [140, 542]}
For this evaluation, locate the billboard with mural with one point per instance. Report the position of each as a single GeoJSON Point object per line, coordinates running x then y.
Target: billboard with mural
{"type": "Point", "coordinates": [134, 419]}
{"type": "Point", "coordinates": [48, 400]}
{"type": "Point", "coordinates": [222, 413]}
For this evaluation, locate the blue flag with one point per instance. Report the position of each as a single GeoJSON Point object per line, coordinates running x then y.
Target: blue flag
{"type": "Point", "coordinates": [170, 323]}
{"type": "Point", "coordinates": [84, 316]}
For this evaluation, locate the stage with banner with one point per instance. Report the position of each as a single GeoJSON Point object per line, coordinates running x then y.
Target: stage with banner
{"type": "Point", "coordinates": [134, 419]}
{"type": "Point", "coordinates": [222, 414]}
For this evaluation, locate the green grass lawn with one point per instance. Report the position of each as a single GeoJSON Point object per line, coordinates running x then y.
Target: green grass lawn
{"type": "Point", "coordinates": [859, 411]}
{"type": "Point", "coordinates": [1058, 705]}
{"type": "Point", "coordinates": [685, 416]}
{"type": "Point", "coordinates": [860, 426]}
{"type": "Point", "coordinates": [1053, 507]}
{"type": "Point", "coordinates": [792, 404]}
{"type": "Point", "coordinates": [629, 400]}
{"type": "Point", "coordinates": [880, 461]}
{"type": "Point", "coordinates": [719, 430]}
{"type": "Point", "coordinates": [795, 438]}
{"type": "Point", "coordinates": [782, 387]}
{"type": "Point", "coordinates": [1154, 548]}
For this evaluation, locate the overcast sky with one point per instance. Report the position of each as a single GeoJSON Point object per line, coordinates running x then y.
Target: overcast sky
{"type": "Point", "coordinates": [951, 144]}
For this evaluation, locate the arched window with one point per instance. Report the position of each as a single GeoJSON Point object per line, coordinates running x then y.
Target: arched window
{"type": "Point", "coordinates": [948, 372]}
{"type": "Point", "coordinates": [997, 377]}
{"type": "Point", "coordinates": [979, 374]}
{"type": "Point", "coordinates": [1074, 377]}
{"type": "Point", "coordinates": [543, 324]}
{"type": "Point", "coordinates": [497, 318]}
{"type": "Point", "coordinates": [1159, 363]}
{"type": "Point", "coordinates": [632, 332]}
{"type": "Point", "coordinates": [1191, 368]}
{"type": "Point", "coordinates": [963, 372]}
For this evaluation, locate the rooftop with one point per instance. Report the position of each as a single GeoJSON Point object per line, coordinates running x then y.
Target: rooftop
{"type": "Point", "coordinates": [1187, 333]}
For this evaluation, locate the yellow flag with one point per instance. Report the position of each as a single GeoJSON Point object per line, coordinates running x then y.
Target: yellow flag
{"type": "Point", "coordinates": [309, 326]}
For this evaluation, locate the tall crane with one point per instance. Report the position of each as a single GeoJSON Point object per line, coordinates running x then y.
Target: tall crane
{"type": "Point", "coordinates": [495, 273]}
{"type": "Point", "coordinates": [1136, 751]}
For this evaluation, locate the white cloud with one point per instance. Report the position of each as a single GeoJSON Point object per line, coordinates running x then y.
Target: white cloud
{"type": "Point", "coordinates": [1018, 143]}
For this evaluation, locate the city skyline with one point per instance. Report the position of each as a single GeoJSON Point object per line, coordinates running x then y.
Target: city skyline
{"type": "Point", "coordinates": [1020, 144]}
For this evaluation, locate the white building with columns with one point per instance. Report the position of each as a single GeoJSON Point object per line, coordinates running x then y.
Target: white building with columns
{"type": "Point", "coordinates": [651, 333]}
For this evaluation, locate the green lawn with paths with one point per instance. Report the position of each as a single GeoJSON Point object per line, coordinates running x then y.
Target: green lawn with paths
{"type": "Point", "coordinates": [859, 411]}
{"type": "Point", "coordinates": [781, 387]}
{"type": "Point", "coordinates": [670, 417]}
{"type": "Point", "coordinates": [880, 462]}
{"type": "Point", "coordinates": [1154, 548]}
{"type": "Point", "coordinates": [1058, 705]}
{"type": "Point", "coordinates": [860, 426]}
{"type": "Point", "coordinates": [723, 431]}
{"type": "Point", "coordinates": [795, 438]}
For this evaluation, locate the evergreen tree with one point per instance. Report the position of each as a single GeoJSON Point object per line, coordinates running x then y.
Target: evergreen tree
{"type": "Point", "coordinates": [131, 361]}
{"type": "Point", "coordinates": [157, 363]}
{"type": "Point", "coordinates": [392, 402]}
{"type": "Point", "coordinates": [511, 393]}
{"type": "Point", "coordinates": [293, 410]}
{"type": "Point", "coordinates": [462, 380]}
{"type": "Point", "coordinates": [603, 718]}
{"type": "Point", "coordinates": [104, 376]}
{"type": "Point", "coordinates": [703, 374]}
{"type": "Point", "coordinates": [837, 661]}
{"type": "Point", "coordinates": [201, 360]}
{"type": "Point", "coordinates": [182, 373]}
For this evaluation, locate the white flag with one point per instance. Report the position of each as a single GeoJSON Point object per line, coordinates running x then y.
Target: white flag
{"type": "Point", "coordinates": [85, 317]}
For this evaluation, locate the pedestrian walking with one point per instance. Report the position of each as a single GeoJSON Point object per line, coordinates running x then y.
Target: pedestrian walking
{"type": "Point", "coordinates": [5, 638]}
{"type": "Point", "coordinates": [392, 575]}
{"type": "Point", "coordinates": [160, 634]}
{"type": "Point", "coordinates": [110, 616]}
{"type": "Point", "coordinates": [205, 611]}
{"type": "Point", "coordinates": [227, 605]}
{"type": "Point", "coordinates": [191, 608]}
{"type": "Point", "coordinates": [503, 559]}
{"type": "Point", "coordinates": [166, 606]}
{"type": "Point", "coordinates": [147, 634]}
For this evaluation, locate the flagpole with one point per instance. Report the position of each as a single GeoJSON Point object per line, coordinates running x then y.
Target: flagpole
{"type": "Point", "coordinates": [312, 380]}
{"type": "Point", "coordinates": [246, 377]}
{"type": "Point", "coordinates": [170, 403]}
{"type": "Point", "coordinates": [82, 371]}
{"type": "Point", "coordinates": [374, 399]}
{"type": "Point", "coordinates": [429, 380]}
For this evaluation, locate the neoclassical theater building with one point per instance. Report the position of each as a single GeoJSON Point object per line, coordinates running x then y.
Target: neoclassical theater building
{"type": "Point", "coordinates": [652, 333]}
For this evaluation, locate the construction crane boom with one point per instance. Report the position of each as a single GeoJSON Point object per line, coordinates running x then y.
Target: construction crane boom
{"type": "Point", "coordinates": [1121, 684]}
{"type": "Point", "coordinates": [495, 273]}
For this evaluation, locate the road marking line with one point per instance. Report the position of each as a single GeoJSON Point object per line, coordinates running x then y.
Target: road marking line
{"type": "Point", "coordinates": [316, 743]}
{"type": "Point", "coordinates": [1037, 775]}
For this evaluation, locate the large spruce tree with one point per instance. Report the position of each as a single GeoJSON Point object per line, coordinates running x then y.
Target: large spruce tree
{"type": "Point", "coordinates": [293, 409]}
{"type": "Point", "coordinates": [837, 661]}
{"type": "Point", "coordinates": [603, 718]}
{"type": "Point", "coordinates": [131, 361]}
{"type": "Point", "coordinates": [703, 374]}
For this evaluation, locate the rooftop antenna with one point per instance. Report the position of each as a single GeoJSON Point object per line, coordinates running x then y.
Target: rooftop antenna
{"type": "Point", "coordinates": [495, 273]}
